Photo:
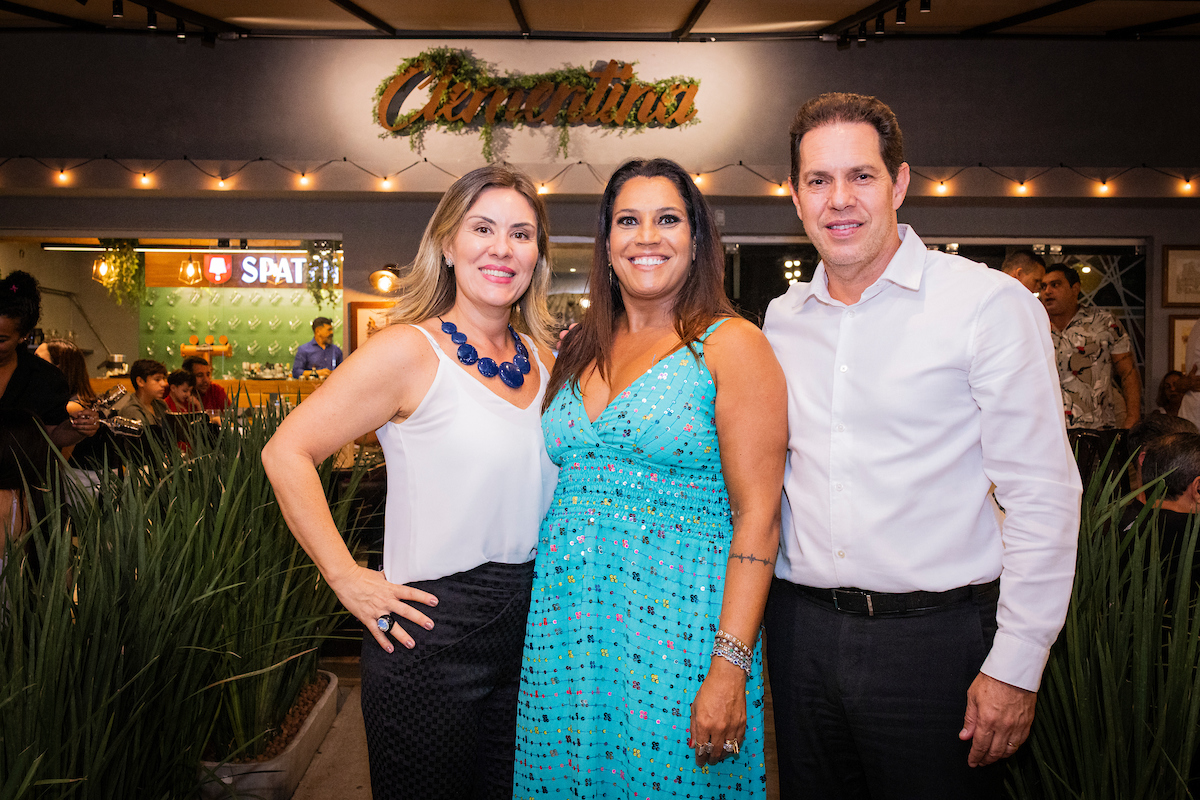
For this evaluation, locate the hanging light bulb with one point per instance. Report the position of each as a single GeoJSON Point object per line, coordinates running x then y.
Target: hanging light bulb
{"type": "Point", "coordinates": [100, 271]}
{"type": "Point", "coordinates": [145, 179]}
{"type": "Point", "coordinates": [1187, 186]}
{"type": "Point", "coordinates": [543, 189]}
{"type": "Point", "coordinates": [1103, 188]}
{"type": "Point", "coordinates": [941, 187]}
{"type": "Point", "coordinates": [62, 176]}
{"type": "Point", "coordinates": [697, 178]}
{"type": "Point", "coordinates": [387, 183]}
{"type": "Point", "coordinates": [303, 179]}
{"type": "Point", "coordinates": [221, 184]}
{"type": "Point", "coordinates": [1022, 188]}
{"type": "Point", "coordinates": [190, 272]}
{"type": "Point", "coordinates": [386, 279]}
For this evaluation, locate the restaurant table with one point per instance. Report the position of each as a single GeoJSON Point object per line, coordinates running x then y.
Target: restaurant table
{"type": "Point", "coordinates": [247, 392]}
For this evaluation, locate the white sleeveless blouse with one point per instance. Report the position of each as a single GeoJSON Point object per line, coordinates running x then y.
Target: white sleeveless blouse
{"type": "Point", "coordinates": [468, 478]}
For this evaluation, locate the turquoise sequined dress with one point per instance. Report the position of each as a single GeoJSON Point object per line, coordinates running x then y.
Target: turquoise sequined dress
{"type": "Point", "coordinates": [627, 599]}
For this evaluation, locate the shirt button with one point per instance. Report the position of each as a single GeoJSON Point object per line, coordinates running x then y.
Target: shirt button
{"type": "Point", "coordinates": [841, 553]}
{"type": "Point", "coordinates": [841, 428]}
{"type": "Point", "coordinates": [844, 367]}
{"type": "Point", "coordinates": [837, 486]}
{"type": "Point", "coordinates": [852, 313]}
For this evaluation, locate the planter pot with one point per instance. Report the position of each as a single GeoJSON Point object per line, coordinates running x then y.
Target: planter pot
{"type": "Point", "coordinates": [278, 778]}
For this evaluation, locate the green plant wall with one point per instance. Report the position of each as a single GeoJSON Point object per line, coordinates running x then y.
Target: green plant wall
{"type": "Point", "coordinates": [263, 325]}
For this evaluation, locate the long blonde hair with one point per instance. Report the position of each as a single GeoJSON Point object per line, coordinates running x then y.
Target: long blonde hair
{"type": "Point", "coordinates": [426, 288]}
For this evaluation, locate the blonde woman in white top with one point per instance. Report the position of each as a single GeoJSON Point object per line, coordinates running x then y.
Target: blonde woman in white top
{"type": "Point", "coordinates": [454, 393]}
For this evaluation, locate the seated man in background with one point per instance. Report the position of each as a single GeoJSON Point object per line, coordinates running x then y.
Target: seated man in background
{"type": "Point", "coordinates": [149, 379]}
{"type": "Point", "coordinates": [180, 384]}
{"type": "Point", "coordinates": [320, 356]}
{"type": "Point", "coordinates": [1151, 428]}
{"type": "Point", "coordinates": [1176, 459]}
{"type": "Point", "coordinates": [206, 395]}
{"type": "Point", "coordinates": [1027, 267]}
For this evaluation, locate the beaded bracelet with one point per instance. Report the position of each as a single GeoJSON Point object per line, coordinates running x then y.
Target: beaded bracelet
{"type": "Point", "coordinates": [734, 656]}
{"type": "Point", "coordinates": [736, 643]}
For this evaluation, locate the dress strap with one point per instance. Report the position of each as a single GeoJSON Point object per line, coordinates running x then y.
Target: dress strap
{"type": "Point", "coordinates": [432, 342]}
{"type": "Point", "coordinates": [712, 328]}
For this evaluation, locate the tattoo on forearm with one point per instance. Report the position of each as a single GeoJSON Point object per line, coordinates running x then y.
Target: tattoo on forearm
{"type": "Point", "coordinates": [753, 559]}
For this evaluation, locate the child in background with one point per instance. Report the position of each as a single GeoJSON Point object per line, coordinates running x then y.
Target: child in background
{"type": "Point", "coordinates": [180, 384]}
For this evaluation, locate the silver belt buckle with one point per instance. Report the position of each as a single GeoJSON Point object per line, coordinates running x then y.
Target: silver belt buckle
{"type": "Point", "coordinates": [867, 595]}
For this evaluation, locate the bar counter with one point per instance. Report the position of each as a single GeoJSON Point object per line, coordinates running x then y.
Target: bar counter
{"type": "Point", "coordinates": [246, 393]}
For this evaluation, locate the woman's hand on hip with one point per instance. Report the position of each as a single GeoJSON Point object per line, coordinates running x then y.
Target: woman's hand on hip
{"type": "Point", "coordinates": [719, 712]}
{"type": "Point", "coordinates": [369, 596]}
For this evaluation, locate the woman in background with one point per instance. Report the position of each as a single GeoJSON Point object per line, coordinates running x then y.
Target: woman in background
{"type": "Point", "coordinates": [666, 414]}
{"type": "Point", "coordinates": [455, 395]}
{"type": "Point", "coordinates": [63, 354]}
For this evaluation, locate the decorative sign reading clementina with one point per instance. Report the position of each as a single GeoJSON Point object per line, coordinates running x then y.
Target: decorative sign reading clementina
{"type": "Point", "coordinates": [464, 92]}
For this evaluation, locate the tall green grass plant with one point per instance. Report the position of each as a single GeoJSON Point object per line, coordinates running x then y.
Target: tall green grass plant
{"type": "Point", "coordinates": [1120, 698]}
{"type": "Point", "coordinates": [170, 610]}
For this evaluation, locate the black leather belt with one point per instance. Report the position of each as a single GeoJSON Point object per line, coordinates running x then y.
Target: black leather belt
{"type": "Point", "coordinates": [874, 604]}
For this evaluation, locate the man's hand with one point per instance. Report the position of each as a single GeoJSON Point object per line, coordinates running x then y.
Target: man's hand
{"type": "Point", "coordinates": [997, 721]}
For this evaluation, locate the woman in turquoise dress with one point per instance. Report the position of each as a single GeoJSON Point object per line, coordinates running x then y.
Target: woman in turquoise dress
{"type": "Point", "coordinates": [666, 413]}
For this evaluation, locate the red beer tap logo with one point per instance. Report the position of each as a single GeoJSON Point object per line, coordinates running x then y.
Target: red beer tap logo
{"type": "Point", "coordinates": [218, 267]}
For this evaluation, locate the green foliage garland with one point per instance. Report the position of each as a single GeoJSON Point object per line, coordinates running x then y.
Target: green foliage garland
{"type": "Point", "coordinates": [461, 66]}
{"type": "Point", "coordinates": [126, 280]}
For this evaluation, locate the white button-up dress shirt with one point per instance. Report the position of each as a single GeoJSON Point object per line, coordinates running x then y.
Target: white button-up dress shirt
{"type": "Point", "coordinates": [903, 409]}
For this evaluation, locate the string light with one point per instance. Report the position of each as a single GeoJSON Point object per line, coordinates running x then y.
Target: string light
{"type": "Point", "coordinates": [1022, 188]}
{"type": "Point", "coordinates": [781, 189]}
{"type": "Point", "coordinates": [1103, 187]}
{"type": "Point", "coordinates": [62, 176]}
{"type": "Point", "coordinates": [145, 179]}
{"type": "Point", "coordinates": [941, 187]}
{"type": "Point", "coordinates": [1187, 186]}
{"type": "Point", "coordinates": [697, 178]}
{"type": "Point", "coordinates": [221, 184]}
{"type": "Point", "coordinates": [303, 179]}
{"type": "Point", "coordinates": [543, 189]}
{"type": "Point", "coordinates": [386, 184]}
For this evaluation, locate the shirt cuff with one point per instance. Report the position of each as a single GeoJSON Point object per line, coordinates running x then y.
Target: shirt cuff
{"type": "Point", "coordinates": [1016, 662]}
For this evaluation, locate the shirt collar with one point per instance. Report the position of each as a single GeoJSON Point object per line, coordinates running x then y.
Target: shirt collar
{"type": "Point", "coordinates": [905, 270]}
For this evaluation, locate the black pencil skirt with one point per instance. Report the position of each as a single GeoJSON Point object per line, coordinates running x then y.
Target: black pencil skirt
{"type": "Point", "coordinates": [441, 718]}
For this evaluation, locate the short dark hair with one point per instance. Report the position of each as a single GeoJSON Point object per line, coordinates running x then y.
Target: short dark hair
{"type": "Point", "coordinates": [143, 368]}
{"type": "Point", "coordinates": [1068, 272]}
{"type": "Point", "coordinates": [832, 108]}
{"type": "Point", "coordinates": [1019, 258]}
{"type": "Point", "coordinates": [319, 321]}
{"type": "Point", "coordinates": [1155, 426]}
{"type": "Point", "coordinates": [20, 299]}
{"type": "Point", "coordinates": [1176, 459]}
{"type": "Point", "coordinates": [192, 361]}
{"type": "Point", "coordinates": [180, 377]}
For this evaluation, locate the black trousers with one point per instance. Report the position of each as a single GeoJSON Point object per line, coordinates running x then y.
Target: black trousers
{"type": "Point", "coordinates": [870, 707]}
{"type": "Point", "coordinates": [441, 718]}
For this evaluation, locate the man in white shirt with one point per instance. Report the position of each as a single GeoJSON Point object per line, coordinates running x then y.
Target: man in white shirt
{"type": "Point", "coordinates": [908, 627]}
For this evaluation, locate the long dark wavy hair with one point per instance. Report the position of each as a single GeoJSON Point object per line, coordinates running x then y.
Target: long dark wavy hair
{"type": "Point", "coordinates": [701, 299]}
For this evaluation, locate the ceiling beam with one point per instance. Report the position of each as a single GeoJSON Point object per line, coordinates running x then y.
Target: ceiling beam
{"type": "Point", "coordinates": [195, 17]}
{"type": "Point", "coordinates": [520, 15]}
{"type": "Point", "coordinates": [1155, 27]}
{"type": "Point", "coordinates": [692, 18]}
{"type": "Point", "coordinates": [1028, 16]}
{"type": "Point", "coordinates": [870, 12]}
{"type": "Point", "coordinates": [49, 16]}
{"type": "Point", "coordinates": [366, 16]}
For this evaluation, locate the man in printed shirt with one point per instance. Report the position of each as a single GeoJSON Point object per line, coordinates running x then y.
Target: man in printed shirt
{"type": "Point", "coordinates": [1090, 344]}
{"type": "Point", "coordinates": [908, 626]}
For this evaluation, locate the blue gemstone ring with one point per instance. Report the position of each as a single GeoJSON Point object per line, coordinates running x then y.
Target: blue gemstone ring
{"type": "Point", "coordinates": [384, 623]}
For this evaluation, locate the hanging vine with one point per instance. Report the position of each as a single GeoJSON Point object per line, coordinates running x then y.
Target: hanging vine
{"type": "Point", "coordinates": [324, 279]}
{"type": "Point", "coordinates": [125, 277]}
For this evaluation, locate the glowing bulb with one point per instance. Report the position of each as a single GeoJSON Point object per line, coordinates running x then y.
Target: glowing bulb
{"type": "Point", "coordinates": [1187, 186]}
{"type": "Point", "coordinates": [941, 187]}
{"type": "Point", "coordinates": [542, 189]}
{"type": "Point", "coordinates": [585, 302]}
{"type": "Point", "coordinates": [303, 179]}
{"type": "Point", "coordinates": [781, 189]}
{"type": "Point", "coordinates": [572, 269]}
{"type": "Point", "coordinates": [1085, 270]}
{"type": "Point", "coordinates": [697, 178]}
{"type": "Point", "coordinates": [1103, 186]}
{"type": "Point", "coordinates": [787, 274]}
{"type": "Point", "coordinates": [221, 184]}
{"type": "Point", "coordinates": [1022, 188]}
{"type": "Point", "coordinates": [145, 179]}
{"type": "Point", "coordinates": [62, 175]}
{"type": "Point", "coordinates": [387, 183]}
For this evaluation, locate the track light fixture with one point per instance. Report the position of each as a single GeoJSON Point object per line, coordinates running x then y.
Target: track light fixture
{"type": "Point", "coordinates": [180, 30]}
{"type": "Point", "coordinates": [926, 6]}
{"type": "Point", "coordinates": [151, 19]}
{"type": "Point", "coordinates": [902, 14]}
{"type": "Point", "coordinates": [118, 9]}
{"type": "Point", "coordinates": [862, 31]}
{"type": "Point", "coordinates": [879, 25]}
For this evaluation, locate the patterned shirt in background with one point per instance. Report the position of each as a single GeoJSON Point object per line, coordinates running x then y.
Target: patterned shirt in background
{"type": "Point", "coordinates": [1084, 350]}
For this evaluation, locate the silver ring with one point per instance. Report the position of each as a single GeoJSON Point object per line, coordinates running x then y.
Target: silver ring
{"type": "Point", "coordinates": [384, 624]}
{"type": "Point", "coordinates": [730, 746]}
{"type": "Point", "coordinates": [706, 747]}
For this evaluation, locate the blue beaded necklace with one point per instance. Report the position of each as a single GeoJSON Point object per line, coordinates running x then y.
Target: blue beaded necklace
{"type": "Point", "coordinates": [511, 372]}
